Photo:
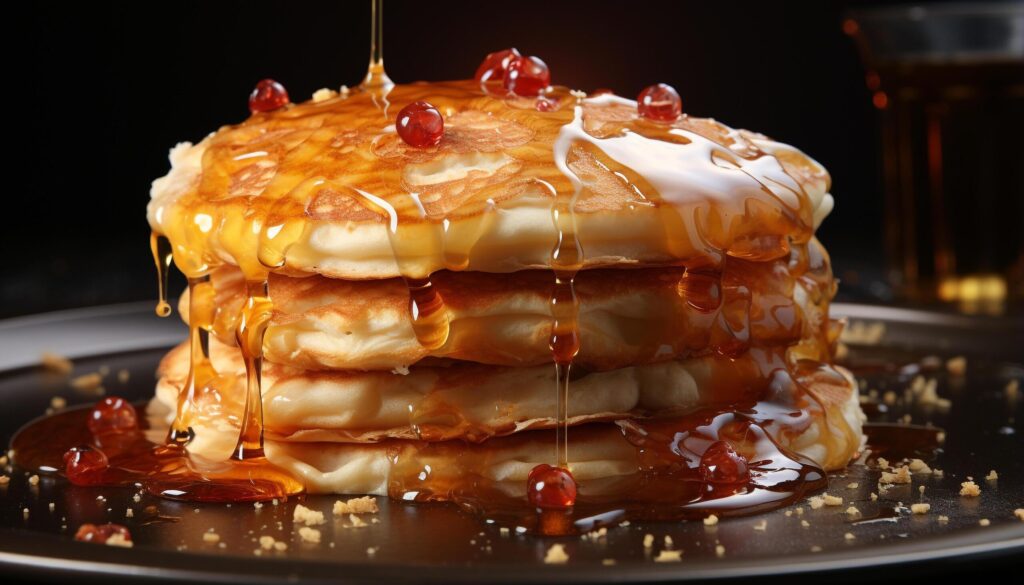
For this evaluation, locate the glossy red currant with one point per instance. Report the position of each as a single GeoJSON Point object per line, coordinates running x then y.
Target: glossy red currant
{"type": "Point", "coordinates": [420, 125]}
{"type": "Point", "coordinates": [551, 488]}
{"type": "Point", "coordinates": [267, 96]}
{"type": "Point", "coordinates": [659, 102]}
{"type": "Point", "coordinates": [495, 65]}
{"type": "Point", "coordinates": [720, 463]}
{"type": "Point", "coordinates": [527, 76]}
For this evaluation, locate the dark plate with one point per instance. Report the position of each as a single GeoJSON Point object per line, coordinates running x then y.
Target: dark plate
{"type": "Point", "coordinates": [437, 543]}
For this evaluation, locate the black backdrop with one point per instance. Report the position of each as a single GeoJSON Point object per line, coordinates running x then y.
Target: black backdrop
{"type": "Point", "coordinates": [105, 90]}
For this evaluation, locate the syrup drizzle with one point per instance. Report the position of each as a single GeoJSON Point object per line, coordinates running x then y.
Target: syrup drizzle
{"type": "Point", "coordinates": [201, 371]}
{"type": "Point", "coordinates": [376, 78]}
{"type": "Point", "coordinates": [566, 259]}
{"type": "Point", "coordinates": [162, 256]}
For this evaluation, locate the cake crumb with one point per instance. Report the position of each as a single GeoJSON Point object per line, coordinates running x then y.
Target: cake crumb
{"type": "Point", "coordinates": [992, 476]}
{"type": "Point", "coordinates": [883, 463]}
{"type": "Point", "coordinates": [920, 508]}
{"type": "Point", "coordinates": [356, 521]}
{"type": "Point", "coordinates": [900, 476]}
{"type": "Point", "coordinates": [556, 555]}
{"type": "Point", "coordinates": [957, 366]}
{"type": "Point", "coordinates": [984, 522]}
{"type": "Point", "coordinates": [267, 542]}
{"type": "Point", "coordinates": [55, 363]}
{"type": "Point", "coordinates": [87, 382]}
{"type": "Point", "coordinates": [815, 548]}
{"type": "Point", "coordinates": [799, 510]}
{"type": "Point", "coordinates": [311, 535]}
{"type": "Point", "coordinates": [719, 551]}
{"type": "Point", "coordinates": [761, 526]}
{"type": "Point", "coordinates": [257, 505]}
{"type": "Point", "coordinates": [607, 562]}
{"type": "Point", "coordinates": [118, 539]}
{"type": "Point", "coordinates": [504, 530]}
{"type": "Point", "coordinates": [919, 466]}
{"type": "Point", "coordinates": [211, 537]}
{"type": "Point", "coordinates": [363, 505]}
{"type": "Point", "coordinates": [280, 545]}
{"type": "Point", "coordinates": [323, 94]}
{"type": "Point", "coordinates": [970, 489]}
{"type": "Point", "coordinates": [832, 500]}
{"type": "Point", "coordinates": [889, 398]}
{"type": "Point", "coordinates": [805, 523]}
{"type": "Point", "coordinates": [874, 497]}
{"type": "Point", "coordinates": [33, 480]}
{"type": "Point", "coordinates": [669, 556]}
{"type": "Point", "coordinates": [1019, 513]}
{"type": "Point", "coordinates": [789, 513]}
{"type": "Point", "coordinates": [852, 485]}
{"type": "Point", "coordinates": [849, 536]}
{"type": "Point", "coordinates": [920, 489]}
{"type": "Point", "coordinates": [711, 520]}
{"type": "Point", "coordinates": [648, 540]}
{"type": "Point", "coordinates": [58, 403]}
{"type": "Point", "coordinates": [943, 519]}
{"type": "Point", "coordinates": [304, 515]}
{"type": "Point", "coordinates": [938, 473]}
{"type": "Point", "coordinates": [669, 543]}
{"type": "Point", "coordinates": [852, 511]}
{"type": "Point", "coordinates": [129, 513]}
{"type": "Point", "coordinates": [816, 502]}
{"type": "Point", "coordinates": [123, 376]}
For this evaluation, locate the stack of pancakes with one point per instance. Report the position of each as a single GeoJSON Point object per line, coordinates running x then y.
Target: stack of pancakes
{"type": "Point", "coordinates": [700, 280]}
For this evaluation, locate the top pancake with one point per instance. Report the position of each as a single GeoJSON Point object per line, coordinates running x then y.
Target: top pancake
{"type": "Point", "coordinates": [328, 187]}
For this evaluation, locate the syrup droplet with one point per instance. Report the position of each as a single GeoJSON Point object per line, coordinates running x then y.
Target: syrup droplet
{"type": "Point", "coordinates": [722, 464]}
{"type": "Point", "coordinates": [527, 76]}
{"type": "Point", "coordinates": [85, 465]}
{"type": "Point", "coordinates": [551, 488]}
{"type": "Point", "coordinates": [267, 96]}
{"type": "Point", "coordinates": [113, 414]}
{"type": "Point", "coordinates": [659, 102]}
{"type": "Point", "coordinates": [420, 125]}
{"type": "Point", "coordinates": [101, 533]}
{"type": "Point", "coordinates": [495, 65]}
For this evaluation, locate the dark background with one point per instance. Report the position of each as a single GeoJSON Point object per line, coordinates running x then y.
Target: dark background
{"type": "Point", "coordinates": [107, 89]}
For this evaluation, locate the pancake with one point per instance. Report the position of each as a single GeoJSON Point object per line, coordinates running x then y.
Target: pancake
{"type": "Point", "coordinates": [598, 451]}
{"type": "Point", "coordinates": [464, 401]}
{"type": "Point", "coordinates": [626, 317]}
{"type": "Point", "coordinates": [328, 187]}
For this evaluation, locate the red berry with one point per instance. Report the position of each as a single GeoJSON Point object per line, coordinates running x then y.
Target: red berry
{"type": "Point", "coordinates": [101, 533]}
{"type": "Point", "coordinates": [659, 102]}
{"type": "Point", "coordinates": [495, 65]}
{"type": "Point", "coordinates": [112, 415]}
{"type": "Point", "coordinates": [420, 125]}
{"type": "Point", "coordinates": [722, 464]}
{"type": "Point", "coordinates": [85, 465]}
{"type": "Point", "coordinates": [551, 488]}
{"type": "Point", "coordinates": [527, 76]}
{"type": "Point", "coordinates": [268, 96]}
